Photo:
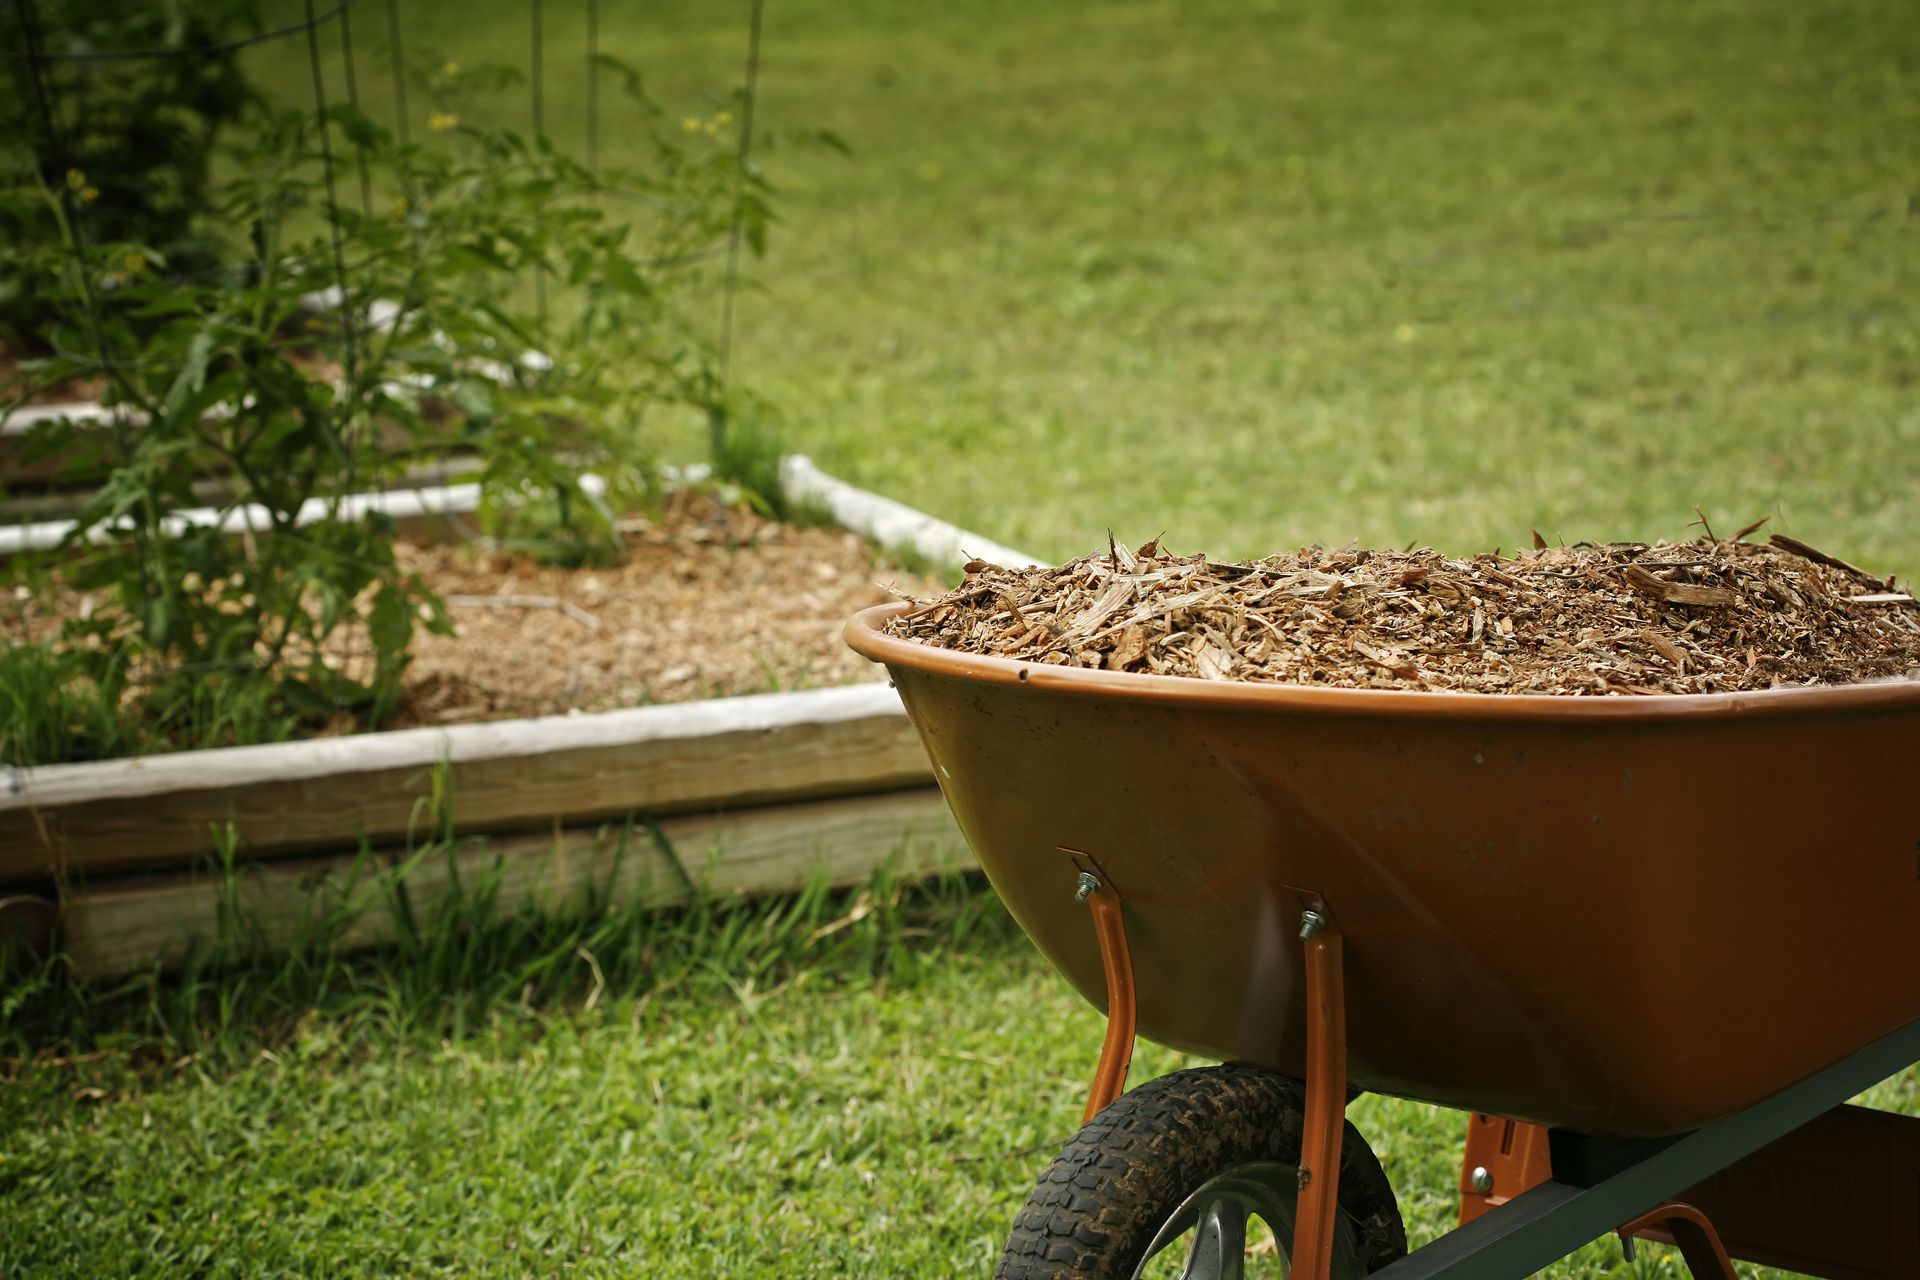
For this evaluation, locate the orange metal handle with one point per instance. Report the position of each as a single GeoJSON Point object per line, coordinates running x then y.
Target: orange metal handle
{"type": "Point", "coordinates": [1324, 1124]}
{"type": "Point", "coordinates": [1700, 1245]}
{"type": "Point", "coordinates": [1116, 1051]}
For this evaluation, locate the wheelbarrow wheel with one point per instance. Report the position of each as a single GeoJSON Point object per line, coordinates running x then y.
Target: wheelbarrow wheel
{"type": "Point", "coordinates": [1197, 1155]}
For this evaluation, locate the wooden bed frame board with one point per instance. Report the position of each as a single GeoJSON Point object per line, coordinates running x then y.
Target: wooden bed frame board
{"type": "Point", "coordinates": [141, 923]}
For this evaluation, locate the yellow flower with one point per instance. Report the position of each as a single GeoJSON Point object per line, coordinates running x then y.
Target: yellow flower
{"type": "Point", "coordinates": [725, 117]}
{"type": "Point", "coordinates": [132, 264]}
{"type": "Point", "coordinates": [711, 128]}
{"type": "Point", "coordinates": [450, 70]}
{"type": "Point", "coordinates": [398, 211]}
{"type": "Point", "coordinates": [89, 193]}
{"type": "Point", "coordinates": [691, 124]}
{"type": "Point", "coordinates": [76, 180]}
{"type": "Point", "coordinates": [441, 121]}
{"type": "Point", "coordinates": [1404, 333]}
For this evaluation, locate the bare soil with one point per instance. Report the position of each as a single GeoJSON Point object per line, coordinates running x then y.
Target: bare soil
{"type": "Point", "coordinates": [1623, 619]}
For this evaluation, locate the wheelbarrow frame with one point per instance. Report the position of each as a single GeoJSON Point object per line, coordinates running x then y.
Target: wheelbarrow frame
{"type": "Point", "coordinates": [1592, 1185]}
{"type": "Point", "coordinates": [1599, 1184]}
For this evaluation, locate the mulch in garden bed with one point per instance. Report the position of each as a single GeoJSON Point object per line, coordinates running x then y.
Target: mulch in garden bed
{"type": "Point", "coordinates": [710, 599]}
{"type": "Point", "coordinates": [706, 599]}
{"type": "Point", "coordinates": [1706, 616]}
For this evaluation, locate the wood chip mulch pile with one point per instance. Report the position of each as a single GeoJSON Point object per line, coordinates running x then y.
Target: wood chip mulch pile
{"type": "Point", "coordinates": [1626, 618]}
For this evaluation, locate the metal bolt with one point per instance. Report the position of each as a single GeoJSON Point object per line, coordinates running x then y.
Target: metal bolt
{"type": "Point", "coordinates": [1089, 885]}
{"type": "Point", "coordinates": [1481, 1180]}
{"type": "Point", "coordinates": [1311, 922]}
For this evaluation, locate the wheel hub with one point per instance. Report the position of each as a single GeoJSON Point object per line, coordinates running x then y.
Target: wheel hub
{"type": "Point", "coordinates": [1217, 1214]}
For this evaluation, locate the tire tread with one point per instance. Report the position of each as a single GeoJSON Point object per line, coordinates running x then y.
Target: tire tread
{"type": "Point", "coordinates": [1098, 1205]}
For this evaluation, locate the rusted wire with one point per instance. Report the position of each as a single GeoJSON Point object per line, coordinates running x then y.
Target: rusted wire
{"type": "Point", "coordinates": [399, 73]}
{"type": "Point", "coordinates": [353, 100]}
{"type": "Point", "coordinates": [192, 51]}
{"type": "Point", "coordinates": [350, 357]}
{"type": "Point", "coordinates": [732, 283]}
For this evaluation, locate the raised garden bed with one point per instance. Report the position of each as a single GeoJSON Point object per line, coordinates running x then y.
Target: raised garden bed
{"type": "Point", "coordinates": [734, 794]}
{"type": "Point", "coordinates": [706, 599]}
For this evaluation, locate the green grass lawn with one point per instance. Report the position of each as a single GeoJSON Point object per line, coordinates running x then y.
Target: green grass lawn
{"type": "Point", "coordinates": [1252, 274]}
{"type": "Point", "coordinates": [1260, 274]}
{"type": "Point", "coordinates": [754, 1101]}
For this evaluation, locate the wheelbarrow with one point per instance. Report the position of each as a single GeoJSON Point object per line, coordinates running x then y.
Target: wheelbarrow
{"type": "Point", "coordinates": [1652, 945]}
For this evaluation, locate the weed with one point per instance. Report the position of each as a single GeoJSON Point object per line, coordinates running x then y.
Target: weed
{"type": "Point", "coordinates": [474, 950]}
{"type": "Point", "coordinates": [746, 448]}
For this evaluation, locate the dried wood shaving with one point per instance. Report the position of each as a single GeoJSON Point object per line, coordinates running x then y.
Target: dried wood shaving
{"type": "Point", "coordinates": [1628, 619]}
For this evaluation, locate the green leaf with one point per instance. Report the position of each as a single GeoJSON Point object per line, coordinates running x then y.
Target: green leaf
{"type": "Point", "coordinates": [473, 397]}
{"type": "Point", "coordinates": [478, 254]}
{"type": "Point", "coordinates": [620, 273]}
{"type": "Point", "coordinates": [193, 372]}
{"type": "Point", "coordinates": [159, 621]}
{"type": "Point", "coordinates": [631, 82]}
{"type": "Point", "coordinates": [755, 215]}
{"type": "Point", "coordinates": [390, 621]}
{"type": "Point", "coordinates": [307, 700]}
{"type": "Point", "coordinates": [361, 129]}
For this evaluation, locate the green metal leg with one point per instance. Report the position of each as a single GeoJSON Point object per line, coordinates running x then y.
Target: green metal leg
{"type": "Point", "coordinates": [1624, 1180]}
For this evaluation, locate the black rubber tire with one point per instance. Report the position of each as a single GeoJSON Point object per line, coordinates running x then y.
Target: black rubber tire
{"type": "Point", "coordinates": [1105, 1196]}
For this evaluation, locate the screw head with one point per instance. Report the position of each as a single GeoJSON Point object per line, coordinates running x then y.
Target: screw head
{"type": "Point", "coordinates": [1088, 886]}
{"type": "Point", "coordinates": [1311, 922]}
{"type": "Point", "coordinates": [1481, 1179]}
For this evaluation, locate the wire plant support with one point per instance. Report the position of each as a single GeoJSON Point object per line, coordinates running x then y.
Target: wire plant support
{"type": "Point", "coordinates": [266, 292]}
{"type": "Point", "coordinates": [33, 57]}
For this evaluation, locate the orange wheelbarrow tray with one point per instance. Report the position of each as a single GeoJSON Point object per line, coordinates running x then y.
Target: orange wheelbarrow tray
{"type": "Point", "coordinates": [1658, 926]}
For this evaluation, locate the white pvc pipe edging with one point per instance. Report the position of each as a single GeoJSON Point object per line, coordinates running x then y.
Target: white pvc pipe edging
{"type": "Point", "coordinates": [889, 524]}
{"type": "Point", "coordinates": [401, 504]}
{"type": "Point", "coordinates": [886, 523]}
{"type": "Point", "coordinates": [18, 422]}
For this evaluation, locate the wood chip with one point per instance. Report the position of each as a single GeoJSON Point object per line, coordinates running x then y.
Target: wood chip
{"type": "Point", "coordinates": [1211, 661]}
{"type": "Point", "coordinates": [1129, 647]}
{"type": "Point", "coordinates": [1800, 548]}
{"type": "Point", "coordinates": [1666, 648]}
{"type": "Point", "coordinates": [1653, 584]}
